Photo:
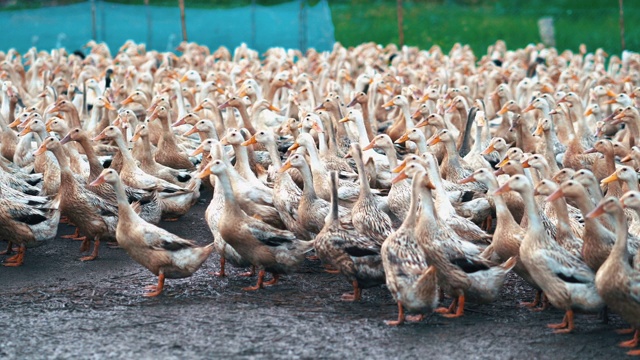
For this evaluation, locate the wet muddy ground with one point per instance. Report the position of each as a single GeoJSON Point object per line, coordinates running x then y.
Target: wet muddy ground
{"type": "Point", "coordinates": [55, 306]}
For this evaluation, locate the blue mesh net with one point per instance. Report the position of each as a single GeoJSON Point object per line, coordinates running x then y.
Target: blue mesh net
{"type": "Point", "coordinates": [261, 27]}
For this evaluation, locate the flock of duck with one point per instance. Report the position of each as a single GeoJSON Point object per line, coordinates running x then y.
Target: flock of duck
{"type": "Point", "coordinates": [381, 160]}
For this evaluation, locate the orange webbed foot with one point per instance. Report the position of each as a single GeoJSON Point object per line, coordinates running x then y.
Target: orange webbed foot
{"type": "Point", "coordinates": [625, 331]}
{"type": "Point", "coordinates": [414, 318]}
{"type": "Point", "coordinates": [272, 281]}
{"type": "Point", "coordinates": [259, 285]}
{"type": "Point", "coordinates": [634, 352]}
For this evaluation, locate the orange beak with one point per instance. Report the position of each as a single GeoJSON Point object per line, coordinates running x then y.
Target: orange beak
{"type": "Point", "coordinates": [49, 125]}
{"type": "Point", "coordinates": [612, 101]}
{"type": "Point", "coordinates": [99, 181]}
{"type": "Point", "coordinates": [344, 119]}
{"type": "Point", "coordinates": [154, 115]}
{"type": "Point", "coordinates": [200, 107]}
{"type": "Point", "coordinates": [293, 147]}
{"type": "Point", "coordinates": [191, 131]}
{"type": "Point", "coordinates": [101, 136]}
{"type": "Point", "coordinates": [488, 150]}
{"type": "Point", "coordinates": [128, 100]}
{"type": "Point", "coordinates": [109, 106]}
{"type": "Point", "coordinates": [135, 137]}
{"type": "Point", "coordinates": [590, 151]}
{"type": "Point", "coordinates": [528, 108]}
{"type": "Point", "coordinates": [611, 178]}
{"type": "Point", "coordinates": [205, 173]}
{"type": "Point", "coordinates": [286, 166]}
{"type": "Point", "coordinates": [598, 211]}
{"type": "Point", "coordinates": [183, 78]}
{"type": "Point", "coordinates": [402, 139]}
{"type": "Point", "coordinates": [503, 162]}
{"type": "Point", "coordinates": [434, 140]}
{"type": "Point", "coordinates": [252, 140]}
{"type": "Point", "coordinates": [416, 115]}
{"type": "Point", "coordinates": [503, 111]}
{"type": "Point", "coordinates": [317, 128]}
{"type": "Point", "coordinates": [620, 116]}
{"type": "Point", "coordinates": [588, 112]}
{"type": "Point", "coordinates": [26, 130]}
{"type": "Point", "coordinates": [626, 158]}
{"type": "Point", "coordinates": [555, 195]}
{"type": "Point", "coordinates": [539, 131]}
{"type": "Point", "coordinates": [399, 178]}
{"type": "Point", "coordinates": [466, 180]}
{"type": "Point", "coordinates": [400, 167]}
{"type": "Point", "coordinates": [198, 150]}
{"type": "Point", "coordinates": [273, 108]}
{"type": "Point", "coordinates": [525, 164]}
{"type": "Point", "coordinates": [53, 109]}
{"type": "Point", "coordinates": [370, 146]}
{"type": "Point", "coordinates": [502, 189]}
{"type": "Point", "coordinates": [15, 123]}
{"type": "Point", "coordinates": [389, 104]}
{"type": "Point", "coordinates": [40, 150]}
{"type": "Point", "coordinates": [422, 123]}
{"type": "Point", "coordinates": [610, 93]}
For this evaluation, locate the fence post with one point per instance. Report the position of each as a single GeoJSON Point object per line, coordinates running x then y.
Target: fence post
{"type": "Point", "coordinates": [149, 27]}
{"type": "Point", "coordinates": [302, 27]}
{"type": "Point", "coordinates": [400, 23]}
{"type": "Point", "coordinates": [182, 20]}
{"type": "Point", "coordinates": [253, 25]}
{"type": "Point", "coordinates": [94, 32]}
{"type": "Point", "coordinates": [621, 3]}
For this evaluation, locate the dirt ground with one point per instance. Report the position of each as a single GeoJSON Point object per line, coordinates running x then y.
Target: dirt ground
{"type": "Point", "coordinates": [55, 306]}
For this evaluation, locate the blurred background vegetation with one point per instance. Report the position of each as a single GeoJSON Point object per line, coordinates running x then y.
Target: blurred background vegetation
{"type": "Point", "coordinates": [445, 22]}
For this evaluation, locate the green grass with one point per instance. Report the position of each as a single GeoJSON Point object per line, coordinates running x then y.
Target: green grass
{"type": "Point", "coordinates": [594, 23]}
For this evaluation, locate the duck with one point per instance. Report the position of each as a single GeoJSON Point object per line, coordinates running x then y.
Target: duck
{"type": "Point", "coordinates": [412, 282]}
{"type": "Point", "coordinates": [366, 213]}
{"type": "Point", "coordinates": [566, 280]}
{"type": "Point", "coordinates": [27, 225]}
{"type": "Point", "coordinates": [164, 254]}
{"type": "Point", "coordinates": [454, 168]}
{"type": "Point", "coordinates": [312, 210]}
{"type": "Point", "coordinates": [148, 164]}
{"type": "Point", "coordinates": [169, 154]}
{"type": "Point", "coordinates": [176, 200]}
{"type": "Point", "coordinates": [355, 256]}
{"type": "Point", "coordinates": [617, 281]}
{"type": "Point", "coordinates": [92, 215]}
{"type": "Point", "coordinates": [286, 194]}
{"type": "Point", "coordinates": [461, 272]}
{"type": "Point", "coordinates": [265, 247]}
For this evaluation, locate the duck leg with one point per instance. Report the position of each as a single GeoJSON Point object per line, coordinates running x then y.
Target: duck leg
{"type": "Point", "coordinates": [401, 317]}
{"type": "Point", "coordinates": [74, 236]}
{"type": "Point", "coordinates": [566, 326]}
{"type": "Point", "coordinates": [155, 290]}
{"type": "Point", "coordinates": [274, 280]}
{"type": "Point", "coordinates": [459, 311]}
{"type": "Point", "coordinates": [357, 293]}
{"type": "Point", "coordinates": [17, 260]}
{"type": "Point", "coordinates": [444, 310]}
{"type": "Point", "coordinates": [633, 342]}
{"type": "Point", "coordinates": [94, 254]}
{"type": "Point", "coordinates": [260, 283]}
{"type": "Point", "coordinates": [221, 273]}
{"type": "Point", "coordinates": [250, 273]}
{"type": "Point", "coordinates": [10, 249]}
{"type": "Point", "coordinates": [625, 331]}
{"type": "Point", "coordinates": [535, 302]}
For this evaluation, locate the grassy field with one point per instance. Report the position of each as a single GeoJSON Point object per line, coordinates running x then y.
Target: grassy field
{"type": "Point", "coordinates": [445, 22]}
{"type": "Point", "coordinates": [594, 23]}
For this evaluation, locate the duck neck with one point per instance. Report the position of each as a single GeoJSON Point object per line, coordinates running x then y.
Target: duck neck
{"type": "Point", "coordinates": [408, 123]}
{"type": "Point", "coordinates": [502, 210]}
{"type": "Point", "coordinates": [274, 154]}
{"type": "Point", "coordinates": [410, 220]}
{"type": "Point", "coordinates": [229, 199]}
{"type": "Point", "coordinates": [362, 175]}
{"type": "Point", "coordinates": [367, 120]}
{"type": "Point", "coordinates": [95, 167]}
{"type": "Point", "coordinates": [246, 120]}
{"type": "Point", "coordinates": [550, 156]}
{"type": "Point", "coordinates": [531, 208]}
{"type": "Point", "coordinates": [307, 179]}
{"type": "Point", "coordinates": [147, 151]}
{"type": "Point", "coordinates": [124, 151]}
{"type": "Point", "coordinates": [620, 249]}
{"type": "Point", "coordinates": [562, 217]}
{"type": "Point", "coordinates": [453, 158]}
{"type": "Point", "coordinates": [74, 117]}
{"type": "Point", "coordinates": [123, 202]}
{"type": "Point", "coordinates": [392, 157]}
